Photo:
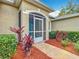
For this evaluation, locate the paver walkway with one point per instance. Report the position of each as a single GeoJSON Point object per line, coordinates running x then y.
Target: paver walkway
{"type": "Point", "coordinates": [55, 52]}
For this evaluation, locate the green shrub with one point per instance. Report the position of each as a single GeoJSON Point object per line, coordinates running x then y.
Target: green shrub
{"type": "Point", "coordinates": [76, 46]}
{"type": "Point", "coordinates": [52, 35]}
{"type": "Point", "coordinates": [7, 45]}
{"type": "Point", "coordinates": [73, 36]}
{"type": "Point", "coordinates": [65, 42]}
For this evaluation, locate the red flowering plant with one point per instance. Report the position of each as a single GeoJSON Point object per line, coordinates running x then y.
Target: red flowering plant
{"type": "Point", "coordinates": [65, 35]}
{"type": "Point", "coordinates": [25, 41]}
{"type": "Point", "coordinates": [61, 35]}
{"type": "Point", "coordinates": [18, 31]}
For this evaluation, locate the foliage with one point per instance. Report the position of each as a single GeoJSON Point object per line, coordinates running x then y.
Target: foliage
{"type": "Point", "coordinates": [7, 45]}
{"type": "Point", "coordinates": [18, 31]}
{"type": "Point", "coordinates": [56, 34]}
{"type": "Point", "coordinates": [60, 35]}
{"type": "Point", "coordinates": [71, 8]}
{"type": "Point", "coordinates": [76, 46]}
{"type": "Point", "coordinates": [52, 35]}
{"type": "Point", "coordinates": [26, 41]}
{"type": "Point", "coordinates": [73, 36]}
{"type": "Point", "coordinates": [65, 42]}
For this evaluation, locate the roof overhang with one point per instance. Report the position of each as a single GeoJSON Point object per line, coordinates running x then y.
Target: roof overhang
{"type": "Point", "coordinates": [16, 3]}
{"type": "Point", "coordinates": [40, 5]}
{"type": "Point", "coordinates": [65, 17]}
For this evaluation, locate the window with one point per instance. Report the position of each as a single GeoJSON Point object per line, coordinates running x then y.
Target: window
{"type": "Point", "coordinates": [12, 1]}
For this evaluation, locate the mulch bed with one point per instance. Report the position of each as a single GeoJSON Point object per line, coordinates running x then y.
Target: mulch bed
{"type": "Point", "coordinates": [35, 54]}
{"type": "Point", "coordinates": [69, 48]}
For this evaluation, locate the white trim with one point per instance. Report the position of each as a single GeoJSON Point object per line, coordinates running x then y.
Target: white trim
{"type": "Point", "coordinates": [34, 23]}
{"type": "Point", "coordinates": [11, 1]}
{"type": "Point", "coordinates": [36, 11]}
{"type": "Point", "coordinates": [66, 17]}
{"type": "Point", "coordinates": [34, 27]}
{"type": "Point", "coordinates": [40, 30]}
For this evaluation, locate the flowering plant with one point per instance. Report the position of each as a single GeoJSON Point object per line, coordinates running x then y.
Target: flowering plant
{"type": "Point", "coordinates": [18, 31]}
{"type": "Point", "coordinates": [25, 41]}
{"type": "Point", "coordinates": [61, 35]}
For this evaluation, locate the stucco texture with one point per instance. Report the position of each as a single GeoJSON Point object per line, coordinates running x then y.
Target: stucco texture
{"type": "Point", "coordinates": [8, 17]}
{"type": "Point", "coordinates": [69, 24]}
{"type": "Point", "coordinates": [26, 6]}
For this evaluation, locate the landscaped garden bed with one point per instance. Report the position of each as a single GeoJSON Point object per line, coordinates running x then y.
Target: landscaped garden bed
{"type": "Point", "coordinates": [8, 45]}
{"type": "Point", "coordinates": [70, 42]}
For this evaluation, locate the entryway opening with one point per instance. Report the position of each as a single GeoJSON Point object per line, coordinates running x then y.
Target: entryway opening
{"type": "Point", "coordinates": [37, 26]}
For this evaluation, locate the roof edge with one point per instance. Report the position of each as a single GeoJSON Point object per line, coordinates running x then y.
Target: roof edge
{"type": "Point", "coordinates": [44, 5]}
{"type": "Point", "coordinates": [65, 17]}
{"type": "Point", "coordinates": [39, 4]}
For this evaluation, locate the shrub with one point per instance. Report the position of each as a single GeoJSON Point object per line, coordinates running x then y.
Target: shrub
{"type": "Point", "coordinates": [26, 41]}
{"type": "Point", "coordinates": [7, 45]}
{"type": "Point", "coordinates": [76, 46]}
{"type": "Point", "coordinates": [73, 36]}
{"type": "Point", "coordinates": [65, 42]}
{"type": "Point", "coordinates": [52, 35]}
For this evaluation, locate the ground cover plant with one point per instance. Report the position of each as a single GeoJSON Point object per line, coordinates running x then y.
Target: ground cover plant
{"type": "Point", "coordinates": [76, 46]}
{"type": "Point", "coordinates": [65, 42]}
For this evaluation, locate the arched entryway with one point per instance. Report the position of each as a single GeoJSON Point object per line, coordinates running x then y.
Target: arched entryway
{"type": "Point", "coordinates": [37, 26]}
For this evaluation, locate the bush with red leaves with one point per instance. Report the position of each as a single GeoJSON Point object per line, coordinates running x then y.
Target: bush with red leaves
{"type": "Point", "coordinates": [25, 42]}
{"type": "Point", "coordinates": [60, 35]}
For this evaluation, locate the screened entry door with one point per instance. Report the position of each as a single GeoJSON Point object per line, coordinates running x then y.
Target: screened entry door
{"type": "Point", "coordinates": [38, 29]}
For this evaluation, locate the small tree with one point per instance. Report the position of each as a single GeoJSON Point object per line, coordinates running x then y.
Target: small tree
{"type": "Point", "coordinates": [71, 8]}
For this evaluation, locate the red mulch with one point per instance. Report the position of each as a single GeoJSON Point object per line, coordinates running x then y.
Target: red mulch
{"type": "Point", "coordinates": [36, 54]}
{"type": "Point", "coordinates": [69, 48]}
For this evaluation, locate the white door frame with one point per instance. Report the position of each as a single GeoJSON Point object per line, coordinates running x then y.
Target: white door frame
{"type": "Point", "coordinates": [40, 30]}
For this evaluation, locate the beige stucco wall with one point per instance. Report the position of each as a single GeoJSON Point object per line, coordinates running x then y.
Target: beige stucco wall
{"type": "Point", "coordinates": [25, 17]}
{"type": "Point", "coordinates": [8, 17]}
{"type": "Point", "coordinates": [70, 24]}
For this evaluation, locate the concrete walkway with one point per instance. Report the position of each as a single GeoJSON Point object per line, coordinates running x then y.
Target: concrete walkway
{"type": "Point", "coordinates": [54, 52]}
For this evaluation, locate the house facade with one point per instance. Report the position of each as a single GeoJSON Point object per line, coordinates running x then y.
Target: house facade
{"type": "Point", "coordinates": [29, 13]}
{"type": "Point", "coordinates": [66, 23]}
